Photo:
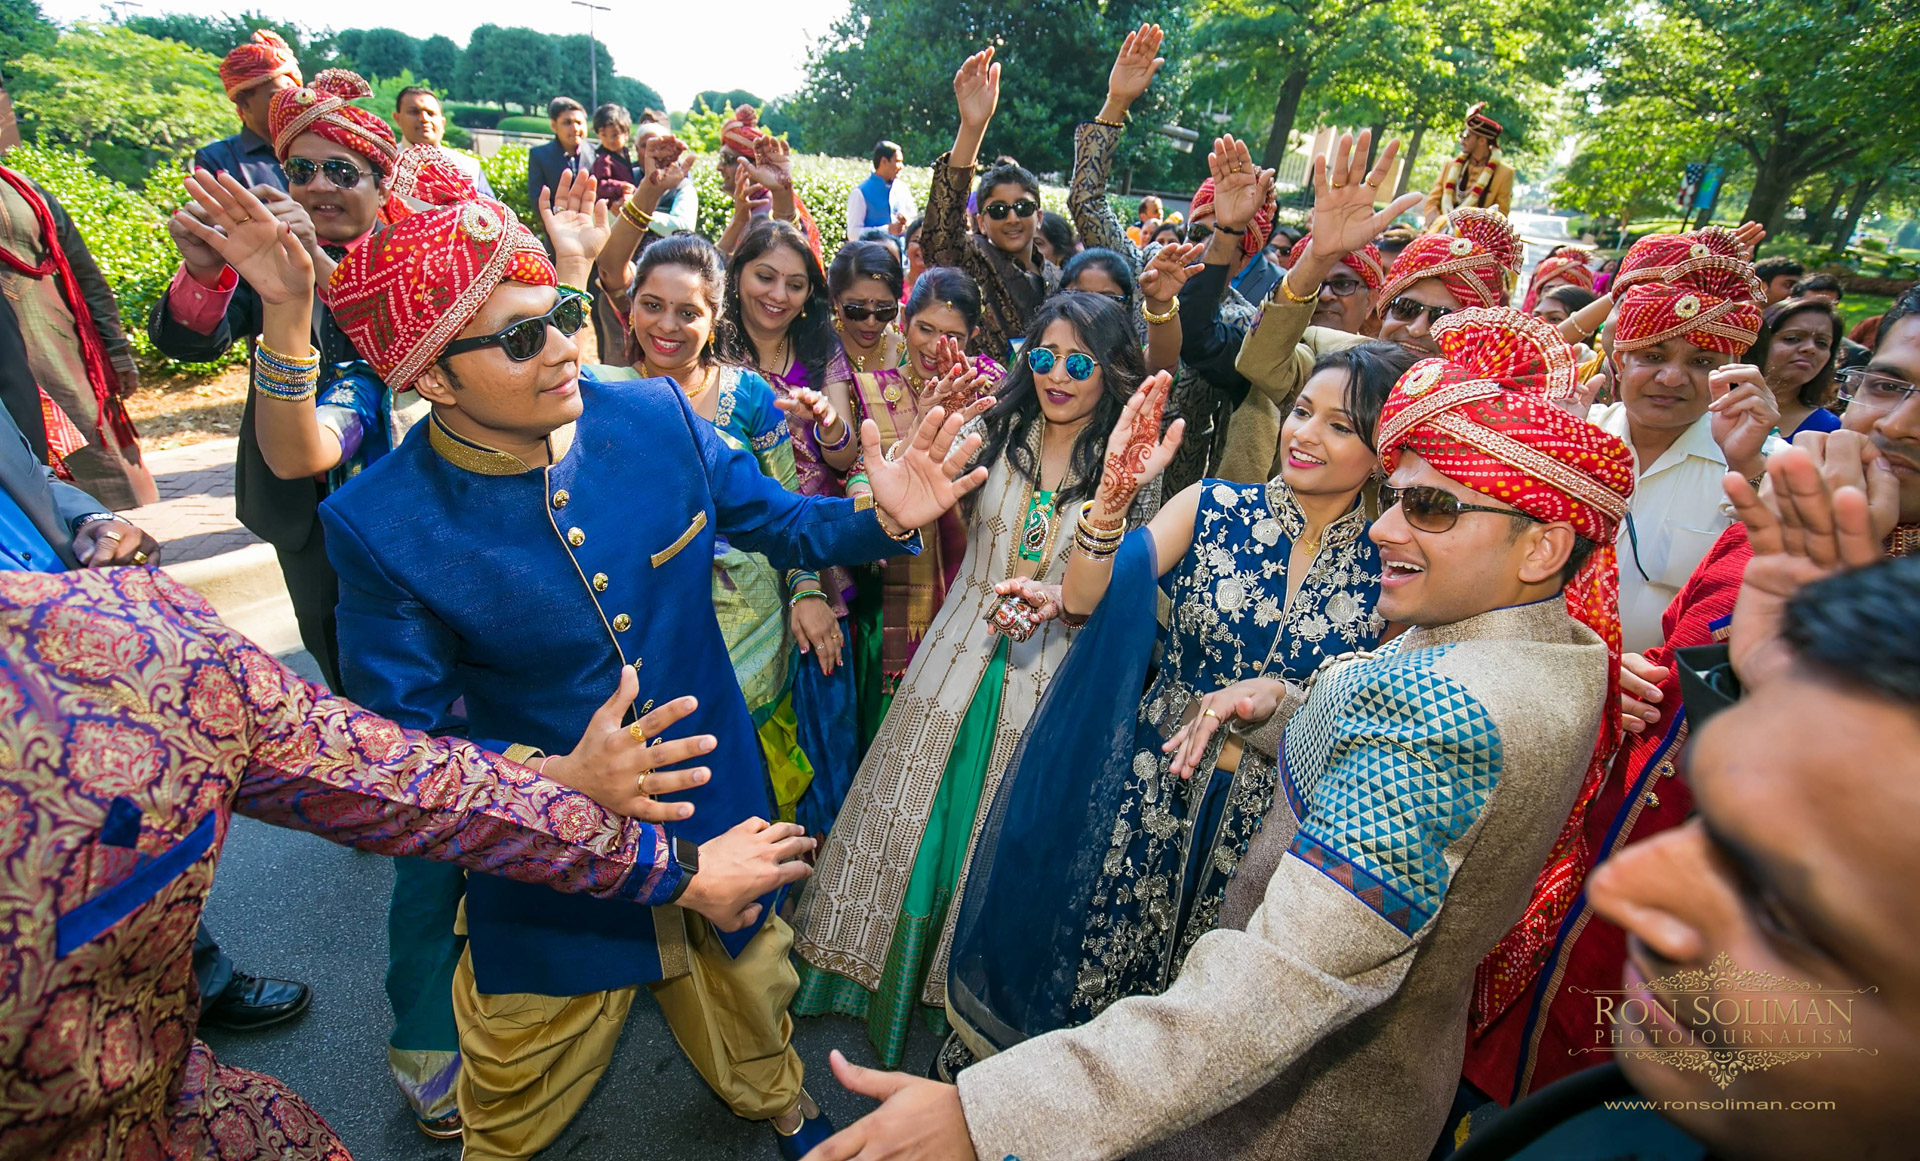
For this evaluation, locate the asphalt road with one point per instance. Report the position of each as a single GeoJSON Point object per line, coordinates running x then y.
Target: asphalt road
{"type": "Point", "coordinates": [296, 906]}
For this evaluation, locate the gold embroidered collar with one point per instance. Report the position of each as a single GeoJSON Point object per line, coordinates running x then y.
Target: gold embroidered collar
{"type": "Point", "coordinates": [1285, 507]}
{"type": "Point", "coordinates": [473, 456]}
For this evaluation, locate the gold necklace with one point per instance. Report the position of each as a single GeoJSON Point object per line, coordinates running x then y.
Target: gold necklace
{"type": "Point", "coordinates": [692, 393]}
{"type": "Point", "coordinates": [912, 376]}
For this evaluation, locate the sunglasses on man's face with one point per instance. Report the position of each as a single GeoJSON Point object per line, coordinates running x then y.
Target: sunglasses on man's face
{"type": "Point", "coordinates": [342, 173]}
{"type": "Point", "coordinates": [528, 337]}
{"type": "Point", "coordinates": [1407, 310]}
{"type": "Point", "coordinates": [1437, 510]}
{"type": "Point", "coordinates": [1079, 364]}
{"type": "Point", "coordinates": [859, 312]}
{"type": "Point", "coordinates": [998, 211]}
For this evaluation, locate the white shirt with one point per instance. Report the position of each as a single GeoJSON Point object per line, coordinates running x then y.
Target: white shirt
{"type": "Point", "coordinates": [1678, 510]}
{"type": "Point", "coordinates": [899, 200]}
{"type": "Point", "coordinates": [470, 165]}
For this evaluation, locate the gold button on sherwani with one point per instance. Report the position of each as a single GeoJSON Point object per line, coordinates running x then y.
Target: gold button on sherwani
{"type": "Point", "coordinates": [560, 498]}
{"type": "Point", "coordinates": [620, 622]}
{"type": "Point", "coordinates": [576, 537]}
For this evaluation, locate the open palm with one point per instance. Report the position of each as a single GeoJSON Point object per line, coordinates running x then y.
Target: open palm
{"type": "Point", "coordinates": [1134, 68]}
{"type": "Point", "coordinates": [576, 220]}
{"type": "Point", "coordinates": [1136, 451]}
{"type": "Point", "coordinates": [1171, 267]}
{"type": "Point", "coordinates": [930, 475]}
{"type": "Point", "coordinates": [773, 163]}
{"type": "Point", "coordinates": [976, 88]}
{"type": "Point", "coordinates": [1344, 219]}
{"type": "Point", "coordinates": [260, 247]}
{"type": "Point", "coordinates": [1240, 187]}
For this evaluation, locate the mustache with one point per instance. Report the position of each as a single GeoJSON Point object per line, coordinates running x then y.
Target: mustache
{"type": "Point", "coordinates": [1907, 452]}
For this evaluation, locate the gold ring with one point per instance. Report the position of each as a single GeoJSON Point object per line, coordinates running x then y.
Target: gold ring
{"type": "Point", "coordinates": [1336, 185]}
{"type": "Point", "coordinates": [1374, 184]}
{"type": "Point", "coordinates": [1208, 712]}
{"type": "Point", "coordinates": [639, 733]}
{"type": "Point", "coordinates": [640, 786]}
{"type": "Point", "coordinates": [242, 218]}
{"type": "Point", "coordinates": [113, 536]}
{"type": "Point", "coordinates": [140, 557]}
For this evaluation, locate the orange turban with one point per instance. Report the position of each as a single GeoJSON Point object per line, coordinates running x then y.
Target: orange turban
{"type": "Point", "coordinates": [1366, 262]}
{"type": "Point", "coordinates": [1476, 255]}
{"type": "Point", "coordinates": [322, 107]}
{"type": "Point", "coordinates": [1566, 264]}
{"type": "Point", "coordinates": [410, 289]}
{"type": "Point", "coordinates": [256, 62]}
{"type": "Point", "coordinates": [1251, 242]}
{"type": "Point", "coordinates": [1485, 414]}
{"type": "Point", "coordinates": [1697, 286]}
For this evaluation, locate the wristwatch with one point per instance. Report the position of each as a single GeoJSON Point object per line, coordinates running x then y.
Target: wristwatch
{"type": "Point", "coordinates": [686, 857]}
{"type": "Point", "coordinates": [78, 522]}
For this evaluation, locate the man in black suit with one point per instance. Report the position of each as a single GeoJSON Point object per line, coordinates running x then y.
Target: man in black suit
{"type": "Point", "coordinates": [567, 151]}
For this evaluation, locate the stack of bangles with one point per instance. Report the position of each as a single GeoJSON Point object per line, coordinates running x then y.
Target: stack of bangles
{"type": "Point", "coordinates": [1094, 541]}
{"type": "Point", "coordinates": [846, 433]}
{"type": "Point", "coordinates": [291, 378]}
{"type": "Point", "coordinates": [632, 212]}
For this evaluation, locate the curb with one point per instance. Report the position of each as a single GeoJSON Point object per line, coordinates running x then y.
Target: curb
{"type": "Point", "coordinates": [233, 580]}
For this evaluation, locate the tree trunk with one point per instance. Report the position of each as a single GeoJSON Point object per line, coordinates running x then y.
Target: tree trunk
{"type": "Point", "coordinates": [1407, 157]}
{"type": "Point", "coordinates": [1772, 186]}
{"type": "Point", "coordinates": [1285, 108]}
{"type": "Point", "coordinates": [1376, 142]}
{"type": "Point", "coordinates": [1819, 221]}
{"type": "Point", "coordinates": [1863, 192]}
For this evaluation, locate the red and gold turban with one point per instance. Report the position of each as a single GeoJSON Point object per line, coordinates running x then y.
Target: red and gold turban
{"type": "Point", "coordinates": [410, 289]}
{"type": "Point", "coordinates": [1485, 414]}
{"type": "Point", "coordinates": [322, 107]}
{"type": "Point", "coordinates": [1258, 230]}
{"type": "Point", "coordinates": [1567, 264]}
{"type": "Point", "coordinates": [741, 130]}
{"type": "Point", "coordinates": [1696, 286]}
{"type": "Point", "coordinates": [424, 177]}
{"type": "Point", "coordinates": [1366, 262]}
{"type": "Point", "coordinates": [256, 62]}
{"type": "Point", "coordinates": [1476, 255]}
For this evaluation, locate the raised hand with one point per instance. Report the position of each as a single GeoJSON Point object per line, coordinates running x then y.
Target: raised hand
{"type": "Point", "coordinates": [260, 247]}
{"type": "Point", "coordinates": [1240, 187]}
{"type": "Point", "coordinates": [809, 406]}
{"type": "Point", "coordinates": [976, 89]}
{"type": "Point", "coordinates": [930, 475]}
{"type": "Point", "coordinates": [1133, 69]}
{"type": "Point", "coordinates": [1749, 235]}
{"type": "Point", "coordinates": [1171, 267]}
{"type": "Point", "coordinates": [622, 770]}
{"type": "Point", "coordinates": [1136, 451]}
{"type": "Point", "coordinates": [1344, 219]}
{"type": "Point", "coordinates": [1744, 414]}
{"type": "Point", "coordinates": [1809, 532]}
{"type": "Point", "coordinates": [672, 163]}
{"type": "Point", "coordinates": [772, 164]}
{"type": "Point", "coordinates": [1848, 459]}
{"type": "Point", "coordinates": [576, 220]}
{"type": "Point", "coordinates": [202, 261]}
{"type": "Point", "coordinates": [962, 387]}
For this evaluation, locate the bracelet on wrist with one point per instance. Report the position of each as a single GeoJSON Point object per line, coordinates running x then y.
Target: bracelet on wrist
{"type": "Point", "coordinates": [1230, 229]}
{"type": "Point", "coordinates": [1173, 312]}
{"type": "Point", "coordinates": [1111, 124]}
{"type": "Point", "coordinates": [289, 378]}
{"type": "Point", "coordinates": [637, 217]}
{"type": "Point", "coordinates": [846, 434]}
{"type": "Point", "coordinates": [803, 594]}
{"type": "Point", "coordinates": [1287, 290]}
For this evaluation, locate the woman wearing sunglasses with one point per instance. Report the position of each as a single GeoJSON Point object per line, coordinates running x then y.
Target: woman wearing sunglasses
{"type": "Point", "coordinates": [1266, 581]}
{"type": "Point", "coordinates": [999, 254]}
{"type": "Point", "coordinates": [873, 929]}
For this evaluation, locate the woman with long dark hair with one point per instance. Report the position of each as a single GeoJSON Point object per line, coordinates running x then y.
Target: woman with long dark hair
{"type": "Point", "coordinates": [1129, 848]}
{"type": "Point", "coordinates": [874, 925]}
{"type": "Point", "coordinates": [679, 334]}
{"type": "Point", "coordinates": [865, 285]}
{"type": "Point", "coordinates": [1798, 351]}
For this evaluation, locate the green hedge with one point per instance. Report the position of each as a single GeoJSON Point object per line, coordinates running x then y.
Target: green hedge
{"type": "Point", "coordinates": [125, 229]}
{"type": "Point", "coordinates": [524, 125]}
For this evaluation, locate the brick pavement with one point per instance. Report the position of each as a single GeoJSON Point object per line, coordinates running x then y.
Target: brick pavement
{"type": "Point", "coordinates": [194, 519]}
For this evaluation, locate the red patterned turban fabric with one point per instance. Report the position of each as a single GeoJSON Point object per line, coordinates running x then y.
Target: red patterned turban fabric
{"type": "Point", "coordinates": [1258, 230]}
{"type": "Point", "coordinates": [256, 62]}
{"type": "Point", "coordinates": [1476, 256]}
{"type": "Point", "coordinates": [741, 130]}
{"type": "Point", "coordinates": [1696, 286]}
{"type": "Point", "coordinates": [410, 289]}
{"type": "Point", "coordinates": [322, 107]}
{"type": "Point", "coordinates": [1366, 262]}
{"type": "Point", "coordinates": [424, 177]}
{"type": "Point", "coordinates": [1485, 414]}
{"type": "Point", "coordinates": [1566, 264]}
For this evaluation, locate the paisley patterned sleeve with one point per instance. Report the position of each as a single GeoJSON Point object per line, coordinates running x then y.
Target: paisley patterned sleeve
{"type": "Point", "coordinates": [1093, 216]}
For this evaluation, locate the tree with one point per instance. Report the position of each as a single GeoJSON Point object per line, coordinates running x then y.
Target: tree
{"type": "Point", "coordinates": [1798, 86]}
{"type": "Point", "coordinates": [726, 102]}
{"type": "Point", "coordinates": [1630, 162]}
{"type": "Point", "coordinates": [439, 60]}
{"type": "Point", "coordinates": [385, 52]}
{"type": "Point", "coordinates": [132, 102]}
{"type": "Point", "coordinates": [509, 66]}
{"type": "Point", "coordinates": [637, 97]}
{"type": "Point", "coordinates": [570, 70]}
{"type": "Point", "coordinates": [886, 70]}
{"type": "Point", "coordinates": [23, 30]}
{"type": "Point", "coordinates": [221, 34]}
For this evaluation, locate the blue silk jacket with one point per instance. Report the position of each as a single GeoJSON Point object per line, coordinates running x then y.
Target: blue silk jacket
{"type": "Point", "coordinates": [466, 575]}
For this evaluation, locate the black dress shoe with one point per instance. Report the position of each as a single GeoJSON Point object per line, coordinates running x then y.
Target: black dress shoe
{"type": "Point", "coordinates": [250, 1002]}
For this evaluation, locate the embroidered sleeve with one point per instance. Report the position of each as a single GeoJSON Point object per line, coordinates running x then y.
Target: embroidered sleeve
{"type": "Point", "coordinates": [1093, 217]}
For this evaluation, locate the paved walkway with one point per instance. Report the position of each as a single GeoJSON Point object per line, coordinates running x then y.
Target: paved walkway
{"type": "Point", "coordinates": [194, 518]}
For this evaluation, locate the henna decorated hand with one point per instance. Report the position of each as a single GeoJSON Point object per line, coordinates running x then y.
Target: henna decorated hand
{"type": "Point", "coordinates": [1136, 451]}
{"type": "Point", "coordinates": [1172, 265]}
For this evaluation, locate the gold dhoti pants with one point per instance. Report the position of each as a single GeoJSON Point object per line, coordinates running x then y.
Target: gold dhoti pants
{"type": "Point", "coordinates": [529, 1062]}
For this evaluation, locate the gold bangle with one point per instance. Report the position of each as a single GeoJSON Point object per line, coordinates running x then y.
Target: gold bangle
{"type": "Point", "coordinates": [1287, 290]}
{"type": "Point", "coordinates": [640, 218]}
{"type": "Point", "coordinates": [1173, 312]}
{"type": "Point", "coordinates": [1110, 124]}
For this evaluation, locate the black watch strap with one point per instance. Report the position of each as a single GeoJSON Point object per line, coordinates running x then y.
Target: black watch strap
{"type": "Point", "coordinates": [686, 856]}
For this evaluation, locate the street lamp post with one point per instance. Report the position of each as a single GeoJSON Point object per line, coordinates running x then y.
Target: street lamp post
{"type": "Point", "coordinates": [593, 62]}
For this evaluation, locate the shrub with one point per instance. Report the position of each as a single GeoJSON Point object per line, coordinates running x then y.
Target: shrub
{"type": "Point", "coordinates": [471, 116]}
{"type": "Point", "coordinates": [524, 125]}
{"type": "Point", "coordinates": [125, 230]}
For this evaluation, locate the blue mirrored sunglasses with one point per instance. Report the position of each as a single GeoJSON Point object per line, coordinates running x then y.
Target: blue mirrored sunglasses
{"type": "Point", "coordinates": [1079, 366]}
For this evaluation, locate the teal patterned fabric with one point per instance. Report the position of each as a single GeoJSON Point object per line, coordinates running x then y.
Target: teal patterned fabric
{"type": "Point", "coordinates": [1387, 766]}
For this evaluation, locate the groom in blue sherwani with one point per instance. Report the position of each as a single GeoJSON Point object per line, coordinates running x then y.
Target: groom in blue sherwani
{"type": "Point", "coordinates": [538, 532]}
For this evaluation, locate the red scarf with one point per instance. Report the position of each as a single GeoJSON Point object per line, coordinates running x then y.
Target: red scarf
{"type": "Point", "coordinates": [93, 352]}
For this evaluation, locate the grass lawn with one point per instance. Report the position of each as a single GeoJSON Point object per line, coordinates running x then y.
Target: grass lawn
{"type": "Point", "coordinates": [1862, 306]}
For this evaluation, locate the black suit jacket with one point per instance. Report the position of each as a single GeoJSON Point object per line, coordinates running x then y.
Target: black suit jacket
{"type": "Point", "coordinates": [545, 164]}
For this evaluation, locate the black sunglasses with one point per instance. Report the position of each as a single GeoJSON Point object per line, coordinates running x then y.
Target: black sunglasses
{"type": "Point", "coordinates": [1436, 510]}
{"type": "Point", "coordinates": [526, 338]}
{"type": "Point", "coordinates": [343, 174]}
{"type": "Point", "coordinates": [855, 312]}
{"type": "Point", "coordinates": [998, 211]}
{"type": "Point", "coordinates": [1406, 310]}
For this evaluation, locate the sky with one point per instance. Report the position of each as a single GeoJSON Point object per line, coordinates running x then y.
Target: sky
{"type": "Point", "coordinates": [756, 45]}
